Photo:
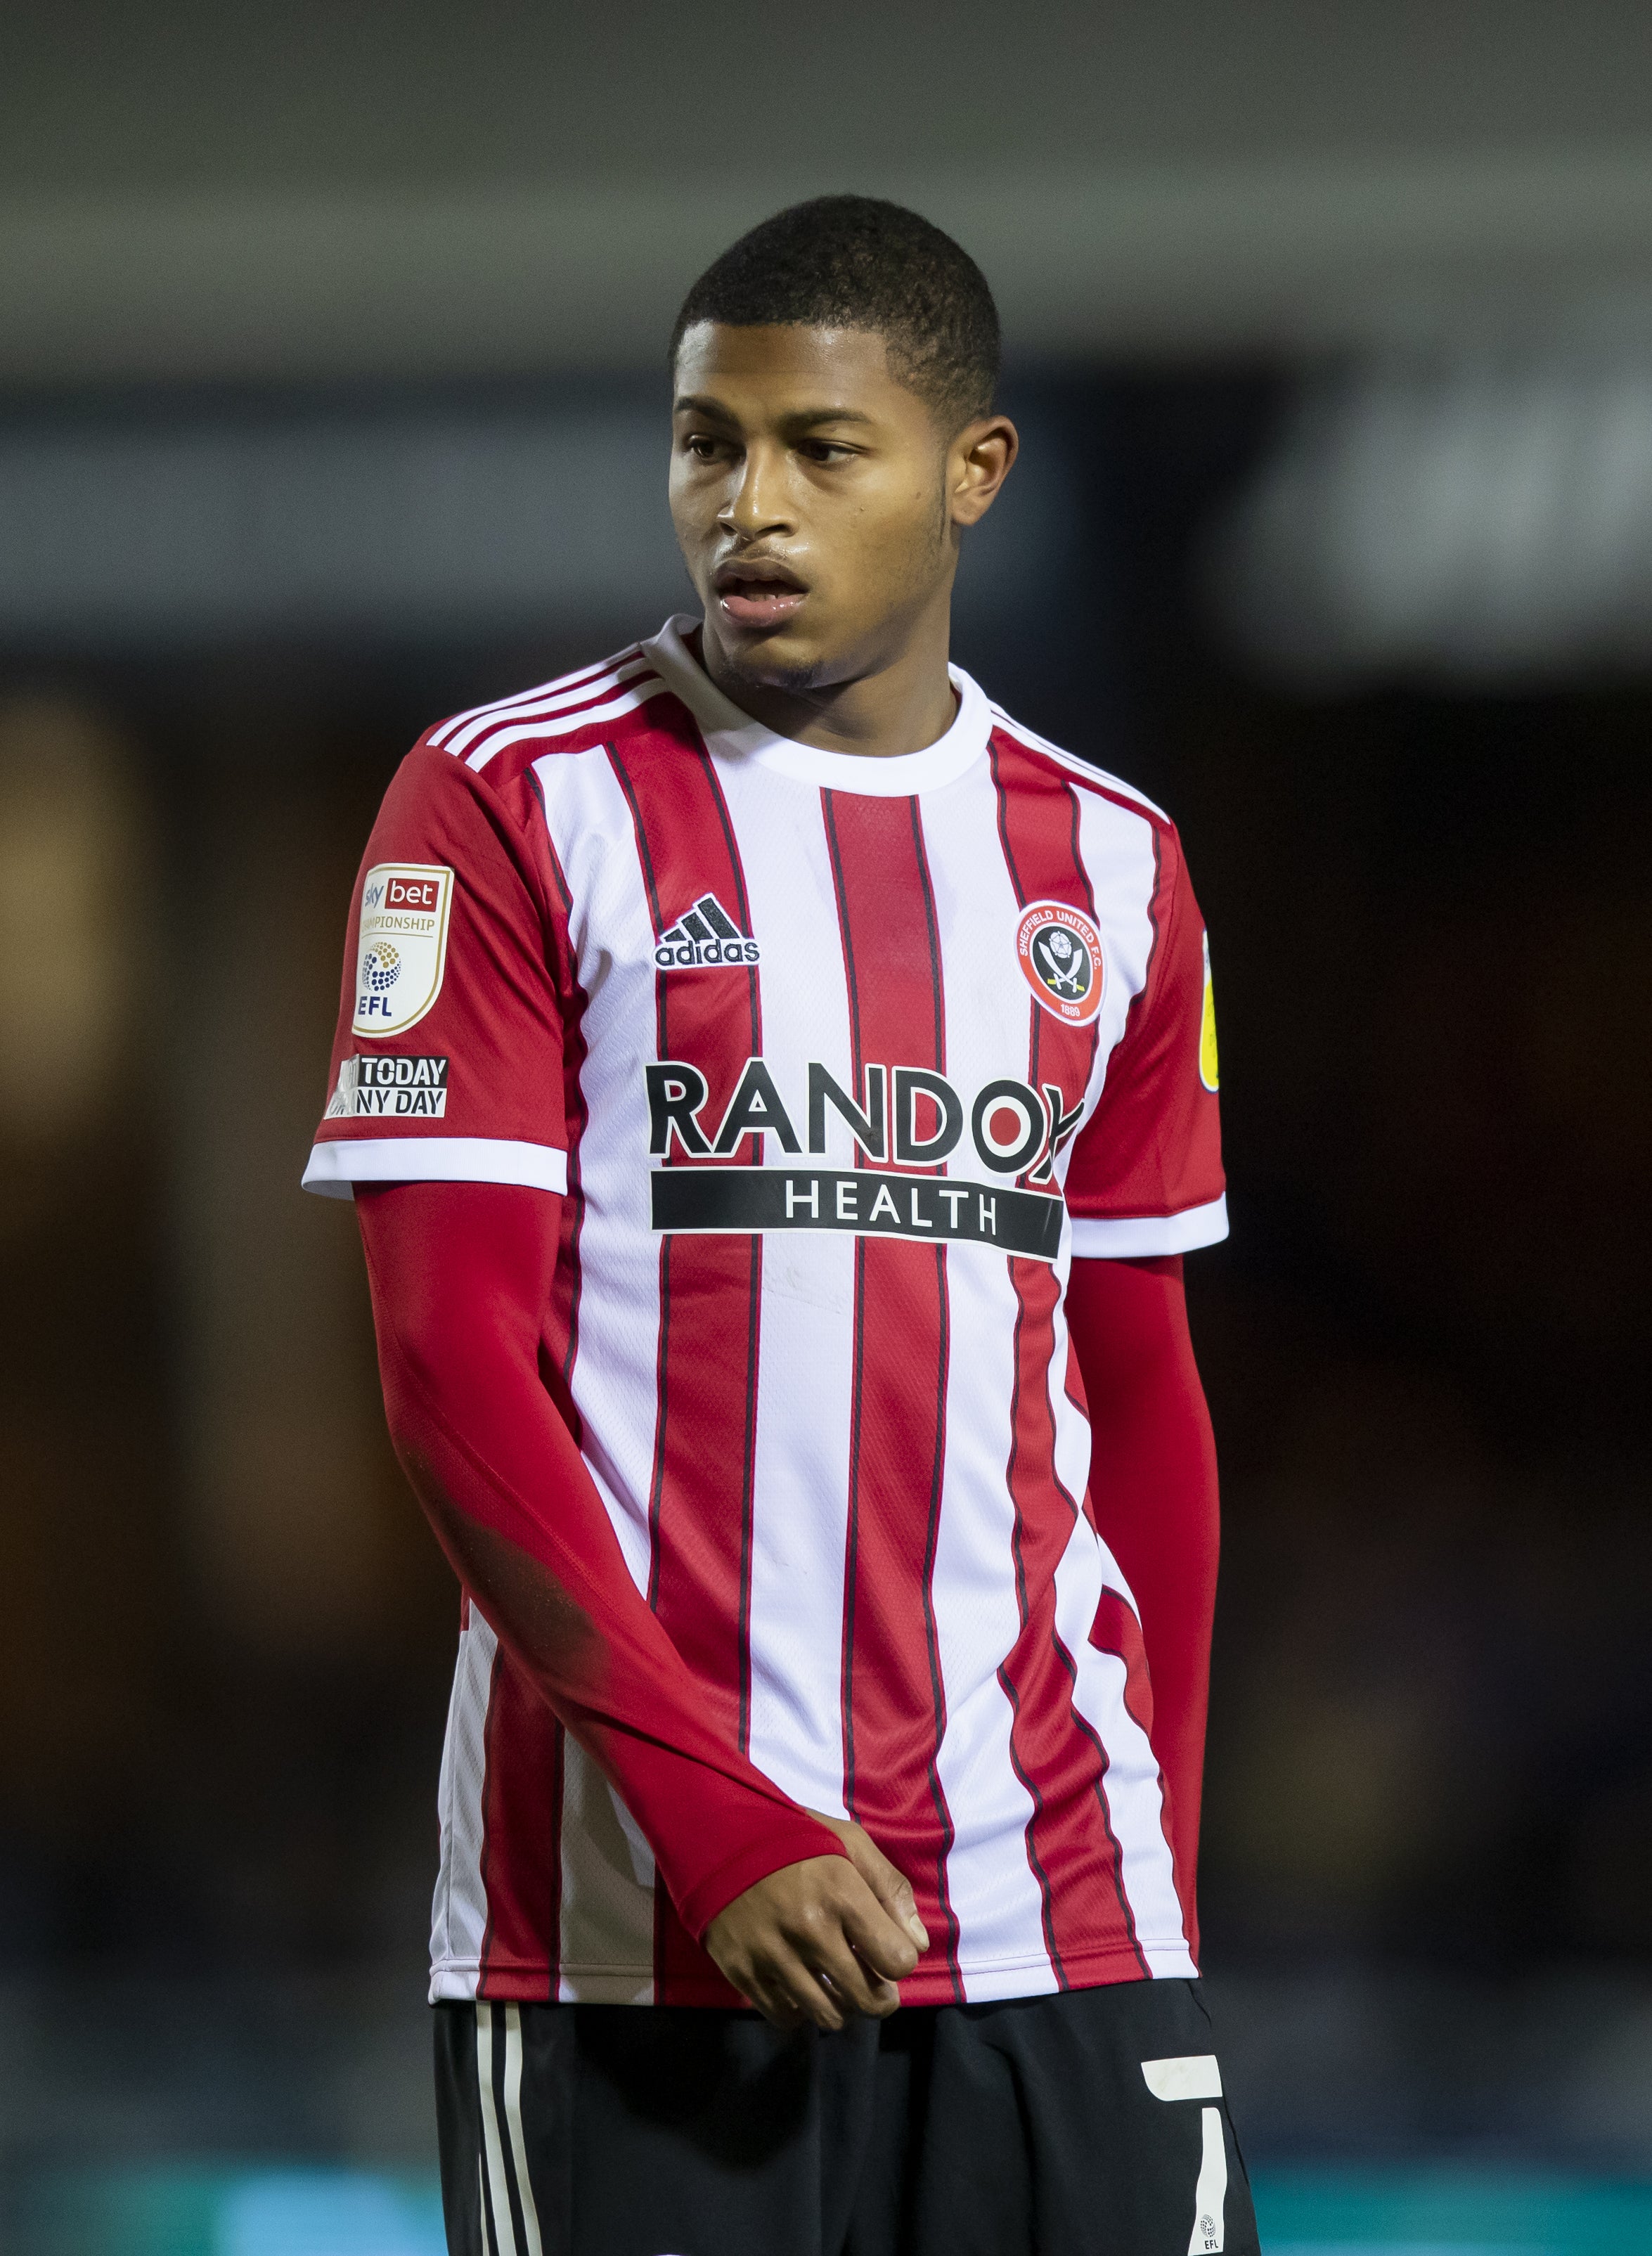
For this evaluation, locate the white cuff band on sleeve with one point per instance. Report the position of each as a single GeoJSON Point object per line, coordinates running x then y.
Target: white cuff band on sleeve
{"type": "Point", "coordinates": [338, 1165]}
{"type": "Point", "coordinates": [1127, 1238]}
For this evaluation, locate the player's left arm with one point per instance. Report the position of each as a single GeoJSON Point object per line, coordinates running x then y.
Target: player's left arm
{"type": "Point", "coordinates": [1153, 1490]}
{"type": "Point", "coordinates": [1143, 1186]}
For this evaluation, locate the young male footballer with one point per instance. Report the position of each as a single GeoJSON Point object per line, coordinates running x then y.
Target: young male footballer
{"type": "Point", "coordinates": [778, 1090]}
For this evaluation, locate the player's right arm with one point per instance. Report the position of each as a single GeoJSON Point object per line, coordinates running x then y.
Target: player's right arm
{"type": "Point", "coordinates": [459, 1274]}
{"type": "Point", "coordinates": [460, 1211]}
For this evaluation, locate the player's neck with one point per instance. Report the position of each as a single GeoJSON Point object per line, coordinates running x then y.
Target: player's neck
{"type": "Point", "coordinates": [899, 706]}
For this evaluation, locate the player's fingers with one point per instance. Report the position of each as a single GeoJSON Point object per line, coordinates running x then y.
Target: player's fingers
{"type": "Point", "coordinates": [772, 1999]}
{"type": "Point", "coordinates": [770, 1983]}
{"type": "Point", "coordinates": [850, 1979]}
{"type": "Point", "coordinates": [883, 1947]}
{"type": "Point", "coordinates": [802, 1992]}
{"type": "Point", "coordinates": [778, 2009]}
{"type": "Point", "coordinates": [887, 1881]}
{"type": "Point", "coordinates": [780, 1979]}
{"type": "Point", "coordinates": [892, 1888]}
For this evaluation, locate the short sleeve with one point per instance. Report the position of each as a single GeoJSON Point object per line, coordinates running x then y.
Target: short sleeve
{"type": "Point", "coordinates": [1146, 1173]}
{"type": "Point", "coordinates": [448, 1063]}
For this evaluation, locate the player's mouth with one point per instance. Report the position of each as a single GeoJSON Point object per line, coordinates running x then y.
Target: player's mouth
{"type": "Point", "coordinates": [757, 591]}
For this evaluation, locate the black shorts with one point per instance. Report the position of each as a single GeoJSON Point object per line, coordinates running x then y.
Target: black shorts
{"type": "Point", "coordinates": [1089, 2124]}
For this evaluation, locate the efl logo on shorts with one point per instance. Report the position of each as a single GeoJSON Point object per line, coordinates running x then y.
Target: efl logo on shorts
{"type": "Point", "coordinates": [1059, 950]}
{"type": "Point", "coordinates": [402, 949]}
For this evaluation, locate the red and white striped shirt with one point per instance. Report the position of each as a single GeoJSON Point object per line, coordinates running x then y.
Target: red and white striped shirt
{"type": "Point", "coordinates": [838, 1062]}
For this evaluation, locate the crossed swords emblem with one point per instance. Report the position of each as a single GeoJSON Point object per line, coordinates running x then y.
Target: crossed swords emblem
{"type": "Point", "coordinates": [1063, 963]}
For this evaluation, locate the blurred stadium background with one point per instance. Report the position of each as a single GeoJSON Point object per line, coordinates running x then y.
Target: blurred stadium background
{"type": "Point", "coordinates": [330, 400]}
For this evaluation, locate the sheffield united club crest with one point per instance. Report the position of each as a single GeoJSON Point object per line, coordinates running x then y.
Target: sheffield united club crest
{"type": "Point", "coordinates": [1059, 950]}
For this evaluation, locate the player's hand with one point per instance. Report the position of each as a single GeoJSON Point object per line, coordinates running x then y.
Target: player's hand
{"type": "Point", "coordinates": [821, 1940]}
{"type": "Point", "coordinates": [891, 1887]}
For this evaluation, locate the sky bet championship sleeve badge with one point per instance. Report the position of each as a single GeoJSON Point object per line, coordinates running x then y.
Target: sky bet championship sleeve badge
{"type": "Point", "coordinates": [402, 949]}
{"type": "Point", "coordinates": [1059, 954]}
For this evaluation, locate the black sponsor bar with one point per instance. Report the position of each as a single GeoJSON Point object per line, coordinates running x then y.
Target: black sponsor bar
{"type": "Point", "coordinates": [742, 1201]}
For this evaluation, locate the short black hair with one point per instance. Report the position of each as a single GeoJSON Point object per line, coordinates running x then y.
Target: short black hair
{"type": "Point", "coordinates": [857, 263]}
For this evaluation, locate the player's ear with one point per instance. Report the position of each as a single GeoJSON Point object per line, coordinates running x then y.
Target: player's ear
{"type": "Point", "coordinates": [977, 462]}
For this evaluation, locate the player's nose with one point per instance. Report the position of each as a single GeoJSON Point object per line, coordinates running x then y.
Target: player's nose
{"type": "Point", "coordinates": [757, 502]}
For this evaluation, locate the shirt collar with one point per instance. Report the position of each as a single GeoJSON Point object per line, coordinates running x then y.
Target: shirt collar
{"type": "Point", "coordinates": [730, 734]}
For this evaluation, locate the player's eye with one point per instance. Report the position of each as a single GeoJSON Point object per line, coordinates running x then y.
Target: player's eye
{"type": "Point", "coordinates": [823, 450]}
{"type": "Point", "coordinates": [703, 446]}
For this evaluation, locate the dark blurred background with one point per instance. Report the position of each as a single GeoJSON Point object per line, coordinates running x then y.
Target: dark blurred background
{"type": "Point", "coordinates": [331, 399]}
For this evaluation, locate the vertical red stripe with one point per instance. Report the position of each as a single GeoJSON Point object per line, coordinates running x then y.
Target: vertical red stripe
{"type": "Point", "coordinates": [561, 1335]}
{"type": "Point", "coordinates": [1038, 830]}
{"type": "Point", "coordinates": [1116, 1630]}
{"type": "Point", "coordinates": [1064, 1660]}
{"type": "Point", "coordinates": [561, 1321]}
{"type": "Point", "coordinates": [1074, 1859]}
{"type": "Point", "coordinates": [521, 1840]}
{"type": "Point", "coordinates": [705, 1431]}
{"type": "Point", "coordinates": [1076, 1863]}
{"type": "Point", "coordinates": [891, 1672]}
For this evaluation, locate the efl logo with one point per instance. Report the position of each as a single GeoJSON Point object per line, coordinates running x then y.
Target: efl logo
{"type": "Point", "coordinates": [403, 946]}
{"type": "Point", "coordinates": [1059, 950]}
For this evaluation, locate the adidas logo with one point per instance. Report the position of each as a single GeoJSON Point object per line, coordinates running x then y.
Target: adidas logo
{"type": "Point", "coordinates": [707, 934]}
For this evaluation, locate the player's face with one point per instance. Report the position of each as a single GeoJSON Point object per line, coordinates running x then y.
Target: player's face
{"type": "Point", "coordinates": [818, 503]}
